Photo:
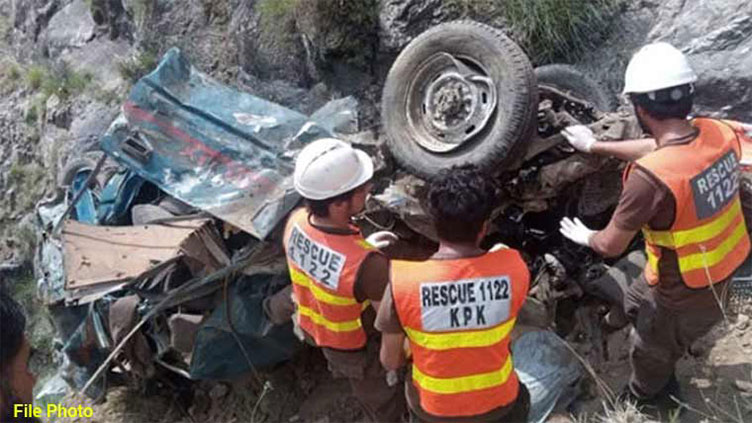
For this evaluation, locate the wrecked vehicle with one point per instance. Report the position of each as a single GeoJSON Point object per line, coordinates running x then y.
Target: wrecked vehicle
{"type": "Point", "coordinates": [158, 256]}
{"type": "Point", "coordinates": [170, 223]}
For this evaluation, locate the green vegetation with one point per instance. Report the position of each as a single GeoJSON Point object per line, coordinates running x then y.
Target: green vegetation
{"type": "Point", "coordinates": [10, 76]}
{"type": "Point", "coordinates": [142, 10]}
{"type": "Point", "coordinates": [34, 76]}
{"type": "Point", "coordinates": [352, 39]}
{"type": "Point", "coordinates": [32, 115]}
{"type": "Point", "coordinates": [39, 328]}
{"type": "Point", "coordinates": [59, 80]}
{"type": "Point", "coordinates": [132, 69]}
{"type": "Point", "coordinates": [277, 20]}
{"type": "Point", "coordinates": [36, 109]}
{"type": "Point", "coordinates": [548, 30]}
{"type": "Point", "coordinates": [106, 96]}
{"type": "Point", "coordinates": [64, 82]}
{"type": "Point", "coordinates": [30, 184]}
{"type": "Point", "coordinates": [272, 11]}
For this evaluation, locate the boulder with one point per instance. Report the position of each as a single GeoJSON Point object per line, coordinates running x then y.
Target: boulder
{"type": "Point", "coordinates": [270, 47]}
{"type": "Point", "coordinates": [401, 20]}
{"type": "Point", "coordinates": [71, 27]}
{"type": "Point", "coordinates": [717, 37]}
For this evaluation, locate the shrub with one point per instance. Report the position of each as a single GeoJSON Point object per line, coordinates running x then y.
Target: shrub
{"type": "Point", "coordinates": [136, 67]}
{"type": "Point", "coordinates": [58, 80]}
{"type": "Point", "coordinates": [548, 30]}
{"type": "Point", "coordinates": [35, 75]}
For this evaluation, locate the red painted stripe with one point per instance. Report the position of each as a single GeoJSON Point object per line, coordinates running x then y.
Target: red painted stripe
{"type": "Point", "coordinates": [238, 174]}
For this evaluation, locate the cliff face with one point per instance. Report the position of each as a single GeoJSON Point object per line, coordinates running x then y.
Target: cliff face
{"type": "Point", "coordinates": [715, 34]}
{"type": "Point", "coordinates": [67, 65]}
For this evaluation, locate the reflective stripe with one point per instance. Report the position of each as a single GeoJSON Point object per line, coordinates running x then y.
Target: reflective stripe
{"type": "Point", "coordinates": [715, 256]}
{"type": "Point", "coordinates": [470, 339]}
{"type": "Point", "coordinates": [652, 260]}
{"type": "Point", "coordinates": [457, 385]}
{"type": "Point", "coordinates": [366, 246]}
{"type": "Point", "coordinates": [301, 279]}
{"type": "Point", "coordinates": [697, 235]}
{"type": "Point", "coordinates": [320, 320]}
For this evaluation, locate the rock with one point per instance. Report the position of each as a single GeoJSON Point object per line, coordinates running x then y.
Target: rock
{"type": "Point", "coordinates": [743, 385]}
{"type": "Point", "coordinates": [742, 322]}
{"type": "Point", "coordinates": [286, 94]}
{"type": "Point", "coordinates": [717, 37]}
{"type": "Point", "coordinates": [271, 47]}
{"type": "Point", "coordinates": [364, 139]}
{"type": "Point", "coordinates": [101, 59]}
{"type": "Point", "coordinates": [352, 41]}
{"type": "Point", "coordinates": [57, 112]}
{"type": "Point", "coordinates": [401, 20]}
{"type": "Point", "coordinates": [715, 34]}
{"type": "Point", "coordinates": [30, 17]}
{"type": "Point", "coordinates": [71, 27]}
{"type": "Point", "coordinates": [219, 391]}
{"type": "Point", "coordinates": [201, 403]}
{"type": "Point", "coordinates": [607, 63]}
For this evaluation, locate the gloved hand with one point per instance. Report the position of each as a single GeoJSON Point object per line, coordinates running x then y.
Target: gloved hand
{"type": "Point", "coordinates": [576, 231]}
{"type": "Point", "coordinates": [580, 136]}
{"type": "Point", "coordinates": [382, 239]}
{"type": "Point", "coordinates": [747, 127]}
{"type": "Point", "coordinates": [498, 246]}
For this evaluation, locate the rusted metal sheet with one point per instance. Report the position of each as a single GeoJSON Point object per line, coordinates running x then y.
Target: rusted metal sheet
{"type": "Point", "coordinates": [101, 255]}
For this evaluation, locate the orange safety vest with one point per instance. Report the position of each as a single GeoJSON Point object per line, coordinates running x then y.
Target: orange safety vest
{"type": "Point", "coordinates": [458, 315]}
{"type": "Point", "coordinates": [323, 269]}
{"type": "Point", "coordinates": [708, 234]}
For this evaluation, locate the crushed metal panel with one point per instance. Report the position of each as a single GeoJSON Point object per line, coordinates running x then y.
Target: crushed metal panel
{"type": "Point", "coordinates": [211, 146]}
{"type": "Point", "coordinates": [102, 255]}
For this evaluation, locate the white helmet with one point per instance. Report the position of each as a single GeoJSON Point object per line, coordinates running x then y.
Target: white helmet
{"type": "Point", "coordinates": [655, 67]}
{"type": "Point", "coordinates": [329, 167]}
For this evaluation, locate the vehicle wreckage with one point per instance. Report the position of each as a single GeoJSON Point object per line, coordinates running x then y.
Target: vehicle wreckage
{"type": "Point", "coordinates": [158, 254]}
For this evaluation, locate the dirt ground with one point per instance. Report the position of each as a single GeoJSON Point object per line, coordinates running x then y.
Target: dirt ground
{"type": "Point", "coordinates": [715, 377]}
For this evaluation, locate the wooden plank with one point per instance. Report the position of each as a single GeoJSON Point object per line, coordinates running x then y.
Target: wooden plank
{"type": "Point", "coordinates": [95, 255]}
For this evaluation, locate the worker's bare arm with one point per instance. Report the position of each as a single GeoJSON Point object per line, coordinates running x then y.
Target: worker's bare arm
{"type": "Point", "coordinates": [627, 150]}
{"type": "Point", "coordinates": [392, 353]}
{"type": "Point", "coordinates": [612, 241]}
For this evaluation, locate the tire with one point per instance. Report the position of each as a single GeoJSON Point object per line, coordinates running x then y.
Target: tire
{"type": "Point", "coordinates": [567, 78]}
{"type": "Point", "coordinates": [72, 168]}
{"type": "Point", "coordinates": [512, 122]}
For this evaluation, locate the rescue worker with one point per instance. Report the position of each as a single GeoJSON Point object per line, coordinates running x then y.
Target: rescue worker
{"type": "Point", "coordinates": [457, 310]}
{"type": "Point", "coordinates": [683, 193]}
{"type": "Point", "coordinates": [338, 278]}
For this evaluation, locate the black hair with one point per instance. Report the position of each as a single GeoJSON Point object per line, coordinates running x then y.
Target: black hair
{"type": "Point", "coordinates": [12, 326]}
{"type": "Point", "coordinates": [320, 208]}
{"type": "Point", "coordinates": [460, 200]}
{"type": "Point", "coordinates": [669, 103]}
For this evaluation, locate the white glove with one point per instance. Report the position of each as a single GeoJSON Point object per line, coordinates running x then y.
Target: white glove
{"type": "Point", "coordinates": [382, 239]}
{"type": "Point", "coordinates": [580, 136]}
{"type": "Point", "coordinates": [576, 231]}
{"type": "Point", "coordinates": [747, 128]}
{"type": "Point", "coordinates": [498, 246]}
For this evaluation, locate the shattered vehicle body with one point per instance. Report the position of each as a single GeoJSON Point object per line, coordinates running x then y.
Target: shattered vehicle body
{"type": "Point", "coordinates": [157, 259]}
{"type": "Point", "coordinates": [195, 177]}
